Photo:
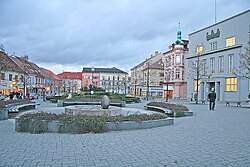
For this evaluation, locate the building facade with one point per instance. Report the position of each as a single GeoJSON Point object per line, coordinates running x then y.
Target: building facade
{"type": "Point", "coordinates": [71, 82]}
{"type": "Point", "coordinates": [109, 79]}
{"type": "Point", "coordinates": [147, 78]}
{"type": "Point", "coordinates": [216, 52]}
{"type": "Point", "coordinates": [11, 75]}
{"type": "Point", "coordinates": [174, 69]}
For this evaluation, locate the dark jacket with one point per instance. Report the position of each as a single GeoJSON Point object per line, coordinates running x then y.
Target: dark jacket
{"type": "Point", "coordinates": [212, 96]}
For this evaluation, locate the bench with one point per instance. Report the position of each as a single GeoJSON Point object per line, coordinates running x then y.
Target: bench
{"type": "Point", "coordinates": [19, 107]}
{"type": "Point", "coordinates": [238, 103]}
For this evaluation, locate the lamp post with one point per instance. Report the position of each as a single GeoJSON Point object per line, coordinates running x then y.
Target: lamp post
{"type": "Point", "coordinates": [25, 58]}
{"type": "Point", "coordinates": [92, 70]}
{"type": "Point", "coordinates": [197, 76]}
{"type": "Point", "coordinates": [135, 86]}
{"type": "Point", "coordinates": [147, 80]}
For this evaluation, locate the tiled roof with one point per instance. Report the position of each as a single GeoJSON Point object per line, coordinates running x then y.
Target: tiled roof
{"type": "Point", "coordinates": [70, 75]}
{"type": "Point", "coordinates": [157, 65]}
{"type": "Point", "coordinates": [8, 64]}
{"type": "Point", "coordinates": [29, 67]}
{"type": "Point", "coordinates": [103, 70]}
{"type": "Point", "coordinates": [51, 74]}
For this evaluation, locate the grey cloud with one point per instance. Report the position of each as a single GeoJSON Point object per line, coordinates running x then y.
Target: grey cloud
{"type": "Point", "coordinates": [98, 33]}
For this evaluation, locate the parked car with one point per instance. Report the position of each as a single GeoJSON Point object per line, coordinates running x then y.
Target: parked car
{"type": "Point", "coordinates": [2, 97]}
{"type": "Point", "coordinates": [34, 96]}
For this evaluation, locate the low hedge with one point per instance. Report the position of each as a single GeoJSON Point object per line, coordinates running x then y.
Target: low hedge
{"type": "Point", "coordinates": [82, 123]}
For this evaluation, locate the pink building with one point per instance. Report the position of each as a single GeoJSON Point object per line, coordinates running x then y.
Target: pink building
{"type": "Point", "coordinates": [174, 69]}
{"type": "Point", "coordinates": [90, 76]}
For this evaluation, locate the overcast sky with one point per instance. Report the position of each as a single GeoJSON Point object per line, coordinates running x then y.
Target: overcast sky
{"type": "Point", "coordinates": [70, 34]}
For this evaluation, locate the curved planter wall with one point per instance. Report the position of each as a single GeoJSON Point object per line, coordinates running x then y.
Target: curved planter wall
{"type": "Point", "coordinates": [37, 126]}
{"type": "Point", "coordinates": [3, 114]}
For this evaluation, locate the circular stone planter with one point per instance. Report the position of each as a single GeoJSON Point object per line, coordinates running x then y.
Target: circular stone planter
{"type": "Point", "coordinates": [41, 126]}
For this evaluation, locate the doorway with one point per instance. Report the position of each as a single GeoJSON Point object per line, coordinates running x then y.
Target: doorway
{"type": "Point", "coordinates": [212, 85]}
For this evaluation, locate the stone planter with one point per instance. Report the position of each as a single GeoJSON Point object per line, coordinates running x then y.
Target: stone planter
{"type": "Point", "coordinates": [40, 126]}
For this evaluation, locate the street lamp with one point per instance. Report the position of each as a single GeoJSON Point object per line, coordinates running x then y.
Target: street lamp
{"type": "Point", "coordinates": [92, 70]}
{"type": "Point", "coordinates": [147, 80]}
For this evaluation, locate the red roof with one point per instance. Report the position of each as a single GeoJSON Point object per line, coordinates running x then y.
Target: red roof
{"type": "Point", "coordinates": [51, 74]}
{"type": "Point", "coordinates": [70, 75]}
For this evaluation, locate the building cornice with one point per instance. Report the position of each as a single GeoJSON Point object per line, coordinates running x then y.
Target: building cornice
{"type": "Point", "coordinates": [216, 51]}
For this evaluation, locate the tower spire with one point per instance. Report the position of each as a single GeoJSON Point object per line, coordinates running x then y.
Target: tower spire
{"type": "Point", "coordinates": [179, 41]}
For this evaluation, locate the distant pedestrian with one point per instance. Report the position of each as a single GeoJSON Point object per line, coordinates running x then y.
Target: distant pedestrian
{"type": "Point", "coordinates": [28, 95]}
{"type": "Point", "coordinates": [11, 95]}
{"type": "Point", "coordinates": [44, 95]}
{"type": "Point", "coordinates": [212, 98]}
{"type": "Point", "coordinates": [248, 97]}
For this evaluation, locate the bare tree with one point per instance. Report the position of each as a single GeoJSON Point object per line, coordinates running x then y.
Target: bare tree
{"type": "Point", "coordinates": [244, 68]}
{"type": "Point", "coordinates": [197, 70]}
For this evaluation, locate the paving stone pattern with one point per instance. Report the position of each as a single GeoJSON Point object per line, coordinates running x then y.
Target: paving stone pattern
{"type": "Point", "coordinates": [209, 138]}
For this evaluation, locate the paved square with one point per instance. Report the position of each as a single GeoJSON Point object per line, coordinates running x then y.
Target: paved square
{"type": "Point", "coordinates": [209, 138]}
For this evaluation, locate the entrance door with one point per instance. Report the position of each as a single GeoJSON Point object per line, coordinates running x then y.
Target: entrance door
{"type": "Point", "coordinates": [212, 85]}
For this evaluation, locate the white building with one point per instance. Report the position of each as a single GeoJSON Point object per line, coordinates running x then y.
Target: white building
{"type": "Point", "coordinates": [217, 50]}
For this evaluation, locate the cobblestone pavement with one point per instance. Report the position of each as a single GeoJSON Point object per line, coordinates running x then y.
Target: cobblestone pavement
{"type": "Point", "coordinates": [209, 138]}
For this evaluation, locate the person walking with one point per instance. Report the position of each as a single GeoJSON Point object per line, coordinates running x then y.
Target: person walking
{"type": "Point", "coordinates": [44, 96]}
{"type": "Point", "coordinates": [212, 98]}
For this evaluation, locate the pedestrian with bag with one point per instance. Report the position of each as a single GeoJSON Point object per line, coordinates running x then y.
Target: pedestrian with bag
{"type": "Point", "coordinates": [212, 98]}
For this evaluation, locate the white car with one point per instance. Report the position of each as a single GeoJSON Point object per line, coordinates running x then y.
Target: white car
{"type": "Point", "coordinates": [2, 97]}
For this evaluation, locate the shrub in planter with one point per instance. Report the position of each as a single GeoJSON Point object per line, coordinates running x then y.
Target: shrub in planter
{"type": "Point", "coordinates": [172, 107]}
{"type": "Point", "coordinates": [37, 122]}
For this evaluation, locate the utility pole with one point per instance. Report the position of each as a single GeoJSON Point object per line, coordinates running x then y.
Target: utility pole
{"type": "Point", "coordinates": [148, 81]}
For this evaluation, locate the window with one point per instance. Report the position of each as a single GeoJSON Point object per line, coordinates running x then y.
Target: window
{"type": "Point", "coordinates": [108, 77]}
{"type": "Point", "coordinates": [195, 85]}
{"type": "Point", "coordinates": [212, 67]}
{"type": "Point", "coordinates": [177, 73]}
{"type": "Point", "coordinates": [221, 64]}
{"type": "Point", "coordinates": [86, 77]}
{"type": "Point", "coordinates": [204, 66]}
{"type": "Point", "coordinates": [213, 45]}
{"type": "Point", "coordinates": [10, 77]}
{"type": "Point", "coordinates": [230, 41]}
{"type": "Point", "coordinates": [230, 63]}
{"type": "Point", "coordinates": [231, 84]}
{"type": "Point", "coordinates": [199, 50]}
{"type": "Point", "coordinates": [161, 74]}
{"type": "Point", "coordinates": [16, 77]}
{"type": "Point", "coordinates": [2, 76]}
{"type": "Point", "coordinates": [178, 59]}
